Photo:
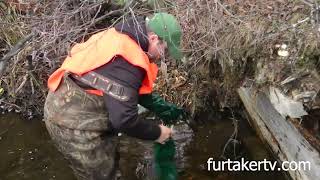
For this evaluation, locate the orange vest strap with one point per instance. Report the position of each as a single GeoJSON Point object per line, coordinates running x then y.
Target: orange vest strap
{"type": "Point", "coordinates": [94, 91]}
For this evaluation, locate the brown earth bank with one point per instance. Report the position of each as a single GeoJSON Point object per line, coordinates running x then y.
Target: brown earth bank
{"type": "Point", "coordinates": [227, 44]}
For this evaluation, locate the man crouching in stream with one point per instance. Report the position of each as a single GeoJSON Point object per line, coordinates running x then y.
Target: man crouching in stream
{"type": "Point", "coordinates": [94, 94]}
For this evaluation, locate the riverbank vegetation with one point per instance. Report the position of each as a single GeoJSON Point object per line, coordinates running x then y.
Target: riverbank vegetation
{"type": "Point", "coordinates": [227, 44]}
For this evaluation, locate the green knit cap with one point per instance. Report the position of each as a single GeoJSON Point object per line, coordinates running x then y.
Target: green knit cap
{"type": "Point", "coordinates": [167, 28]}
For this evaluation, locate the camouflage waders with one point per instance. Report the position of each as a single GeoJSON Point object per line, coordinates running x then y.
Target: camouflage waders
{"type": "Point", "coordinates": [78, 124]}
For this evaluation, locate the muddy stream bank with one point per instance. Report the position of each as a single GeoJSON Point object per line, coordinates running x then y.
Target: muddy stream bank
{"type": "Point", "coordinates": [27, 153]}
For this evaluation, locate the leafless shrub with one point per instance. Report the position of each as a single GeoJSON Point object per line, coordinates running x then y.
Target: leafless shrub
{"type": "Point", "coordinates": [56, 26]}
{"type": "Point", "coordinates": [228, 38]}
{"type": "Point", "coordinates": [223, 41]}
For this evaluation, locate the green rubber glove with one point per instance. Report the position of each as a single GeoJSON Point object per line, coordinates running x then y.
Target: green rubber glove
{"type": "Point", "coordinates": [165, 167]}
{"type": "Point", "coordinates": [168, 112]}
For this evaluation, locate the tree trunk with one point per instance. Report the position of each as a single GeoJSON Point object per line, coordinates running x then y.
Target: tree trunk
{"type": "Point", "coordinates": [281, 135]}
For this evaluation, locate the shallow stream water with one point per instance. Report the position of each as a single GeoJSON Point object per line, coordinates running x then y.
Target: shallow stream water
{"type": "Point", "coordinates": [27, 153]}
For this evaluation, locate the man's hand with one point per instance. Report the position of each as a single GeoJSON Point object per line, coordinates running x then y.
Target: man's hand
{"type": "Point", "coordinates": [165, 134]}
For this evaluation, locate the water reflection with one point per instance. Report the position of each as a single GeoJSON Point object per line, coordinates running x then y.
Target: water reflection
{"type": "Point", "coordinates": [27, 153]}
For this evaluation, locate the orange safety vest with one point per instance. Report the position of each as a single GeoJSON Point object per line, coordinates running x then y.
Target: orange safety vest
{"type": "Point", "coordinates": [98, 50]}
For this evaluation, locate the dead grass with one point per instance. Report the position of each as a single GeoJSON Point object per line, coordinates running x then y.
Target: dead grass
{"type": "Point", "coordinates": [225, 41]}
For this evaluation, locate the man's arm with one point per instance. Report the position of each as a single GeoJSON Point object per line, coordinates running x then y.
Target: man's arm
{"type": "Point", "coordinates": [124, 118]}
{"type": "Point", "coordinates": [124, 115]}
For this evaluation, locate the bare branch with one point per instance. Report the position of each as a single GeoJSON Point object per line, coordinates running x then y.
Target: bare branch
{"type": "Point", "coordinates": [15, 50]}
